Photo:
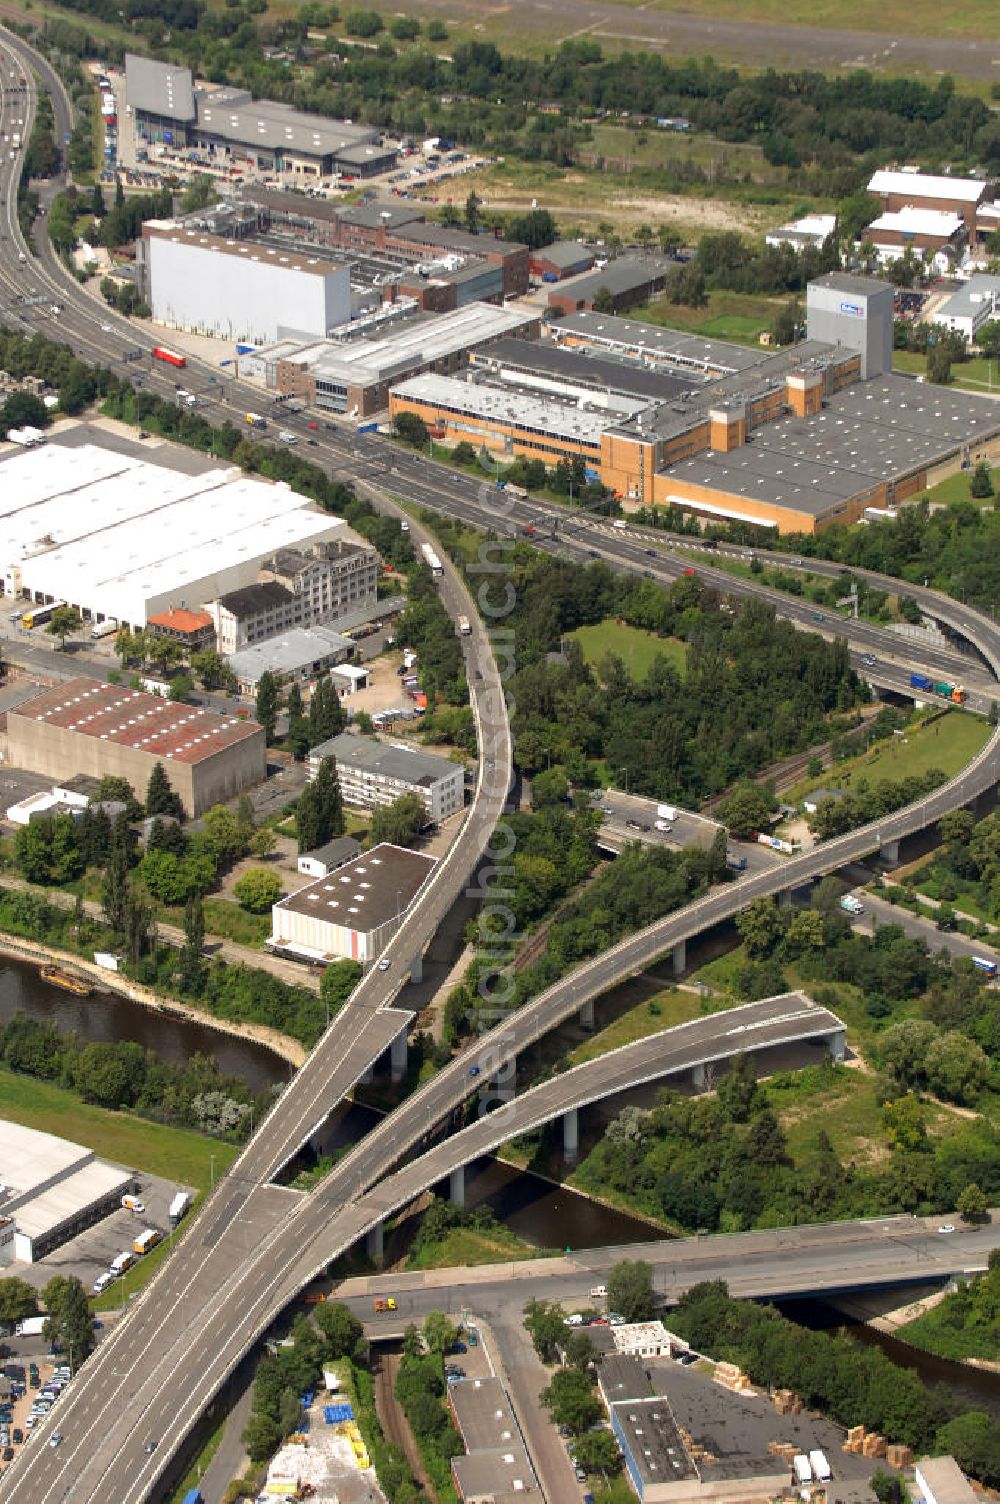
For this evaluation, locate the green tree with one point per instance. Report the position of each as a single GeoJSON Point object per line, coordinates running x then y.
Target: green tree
{"type": "Point", "coordinates": [326, 714]}
{"type": "Point", "coordinates": [47, 850]}
{"type": "Point", "coordinates": [439, 1333]}
{"type": "Point", "coordinates": [473, 204]}
{"type": "Point", "coordinates": [161, 798]}
{"type": "Point", "coordinates": [338, 982]}
{"type": "Point", "coordinates": [268, 704]}
{"type": "Point", "coordinates": [341, 1329]}
{"type": "Point", "coordinates": [114, 888]}
{"type": "Point", "coordinates": [981, 485]}
{"type": "Point", "coordinates": [17, 1300]}
{"type": "Point", "coordinates": [412, 429]}
{"type": "Point", "coordinates": [298, 726]}
{"type": "Point", "coordinates": [257, 890]}
{"type": "Point", "coordinates": [747, 809]}
{"type": "Point", "coordinates": [972, 1205]}
{"type": "Point", "coordinates": [988, 338]}
{"type": "Point", "coordinates": [69, 1322]}
{"type": "Point", "coordinates": [759, 925]}
{"type": "Point", "coordinates": [597, 1452]}
{"type": "Point", "coordinates": [543, 1321]}
{"type": "Point", "coordinates": [200, 192]}
{"type": "Point", "coordinates": [570, 1399]}
{"type": "Point", "coordinates": [400, 822]}
{"type": "Point", "coordinates": [192, 961]}
{"type": "Point", "coordinates": [226, 833]}
{"type": "Point", "coordinates": [263, 841]}
{"type": "Point", "coordinates": [23, 409]}
{"type": "Point", "coordinates": [630, 1289]}
{"type": "Point", "coordinates": [213, 671]}
{"type": "Point", "coordinates": [261, 1436]}
{"type": "Point", "coordinates": [957, 1068]}
{"type": "Point", "coordinates": [939, 365]}
{"type": "Point", "coordinates": [319, 815]}
{"type": "Point", "coordinates": [805, 934]}
{"type": "Point", "coordinates": [603, 301]}
{"type": "Point", "coordinates": [64, 621]}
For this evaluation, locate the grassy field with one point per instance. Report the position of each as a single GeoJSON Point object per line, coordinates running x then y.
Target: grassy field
{"type": "Point", "coordinates": [742, 317]}
{"type": "Point", "coordinates": [978, 375]}
{"type": "Point", "coordinates": [948, 743]}
{"type": "Point", "coordinates": [635, 647]}
{"type": "Point", "coordinates": [174, 1153]}
{"type": "Point", "coordinates": [470, 1245]}
{"type": "Point", "coordinates": [974, 1335]}
{"type": "Point", "coordinates": [662, 1012]}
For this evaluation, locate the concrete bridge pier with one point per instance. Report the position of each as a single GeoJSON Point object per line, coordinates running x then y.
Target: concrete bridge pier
{"type": "Point", "coordinates": [678, 958]}
{"type": "Point", "coordinates": [571, 1134]}
{"type": "Point", "coordinates": [456, 1186]}
{"type": "Point", "coordinates": [699, 1077]}
{"type": "Point", "coordinates": [397, 1056]}
{"type": "Point", "coordinates": [587, 1015]}
{"type": "Point", "coordinates": [889, 853]}
{"type": "Point", "coordinates": [837, 1044]}
{"type": "Point", "coordinates": [417, 968]}
{"type": "Point", "coordinates": [375, 1242]}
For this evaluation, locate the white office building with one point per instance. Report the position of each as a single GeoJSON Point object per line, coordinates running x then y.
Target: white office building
{"type": "Point", "coordinates": [373, 772]}
{"type": "Point", "coordinates": [237, 290]}
{"type": "Point", "coordinates": [972, 306]}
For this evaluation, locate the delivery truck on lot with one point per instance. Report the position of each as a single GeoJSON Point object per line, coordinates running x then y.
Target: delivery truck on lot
{"type": "Point", "coordinates": [104, 628]}
{"type": "Point", "coordinates": [179, 1206]}
{"type": "Point", "coordinates": [145, 1241]}
{"type": "Point", "coordinates": [31, 1326]}
{"type": "Point", "coordinates": [802, 1470]}
{"type": "Point", "coordinates": [819, 1465]}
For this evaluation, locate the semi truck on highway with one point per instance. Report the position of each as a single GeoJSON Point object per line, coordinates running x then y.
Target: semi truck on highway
{"type": "Point", "coordinates": [431, 560]}
{"type": "Point", "coordinates": [953, 692]}
{"type": "Point", "coordinates": [387, 1304]}
{"type": "Point", "coordinates": [254, 420]}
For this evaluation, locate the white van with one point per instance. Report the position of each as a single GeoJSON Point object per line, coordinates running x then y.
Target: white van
{"type": "Point", "coordinates": [103, 1281]}
{"type": "Point", "coordinates": [133, 1204]}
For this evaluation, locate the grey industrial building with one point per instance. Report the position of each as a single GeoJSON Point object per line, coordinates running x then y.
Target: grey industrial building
{"type": "Point", "coordinates": [302, 654]}
{"type": "Point", "coordinates": [628, 280]}
{"type": "Point", "coordinates": [495, 1467]}
{"type": "Point", "coordinates": [231, 126]}
{"type": "Point", "coordinates": [354, 374]}
{"type": "Point", "coordinates": [84, 726]}
{"type": "Point", "coordinates": [373, 772]}
{"type": "Point", "coordinates": [52, 1189]}
{"type": "Point", "coordinates": [855, 312]}
{"type": "Point", "coordinates": [234, 289]}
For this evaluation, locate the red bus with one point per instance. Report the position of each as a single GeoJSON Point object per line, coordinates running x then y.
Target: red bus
{"type": "Point", "coordinates": [170, 356]}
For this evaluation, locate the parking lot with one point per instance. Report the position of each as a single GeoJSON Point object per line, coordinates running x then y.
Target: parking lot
{"type": "Point", "coordinates": [91, 1252]}
{"type": "Point", "coordinates": [31, 1386]}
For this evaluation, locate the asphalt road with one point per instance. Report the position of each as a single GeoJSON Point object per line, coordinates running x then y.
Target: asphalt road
{"type": "Point", "coordinates": [816, 1258]}
{"type": "Point", "coordinates": [254, 1247]}
{"type": "Point", "coordinates": [879, 911]}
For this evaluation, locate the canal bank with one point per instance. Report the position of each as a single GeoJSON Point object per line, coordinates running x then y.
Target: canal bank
{"type": "Point", "coordinates": [26, 956]}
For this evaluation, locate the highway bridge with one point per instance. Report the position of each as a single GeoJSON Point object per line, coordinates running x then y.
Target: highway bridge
{"type": "Point", "coordinates": [254, 1246]}
{"type": "Point", "coordinates": [814, 1259]}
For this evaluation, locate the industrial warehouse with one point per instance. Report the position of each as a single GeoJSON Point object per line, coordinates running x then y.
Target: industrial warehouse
{"type": "Point", "coordinates": [231, 126]}
{"type": "Point", "coordinates": [120, 537]}
{"type": "Point", "coordinates": [795, 439]}
{"type": "Point", "coordinates": [239, 291]}
{"type": "Point", "coordinates": [100, 729]}
{"type": "Point", "coordinates": [353, 912]}
{"type": "Point", "coordinates": [52, 1190]}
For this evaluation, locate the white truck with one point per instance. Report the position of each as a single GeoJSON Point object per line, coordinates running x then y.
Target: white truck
{"type": "Point", "coordinates": [287, 438]}
{"type": "Point", "coordinates": [666, 812]}
{"type": "Point", "coordinates": [179, 1206]}
{"type": "Point", "coordinates": [464, 629]}
{"type": "Point", "coordinates": [802, 1470]}
{"type": "Point", "coordinates": [820, 1466]}
{"type": "Point", "coordinates": [104, 628]}
{"type": "Point", "coordinates": [31, 1326]}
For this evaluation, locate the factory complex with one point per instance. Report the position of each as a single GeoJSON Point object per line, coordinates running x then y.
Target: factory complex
{"type": "Point", "coordinates": [795, 439]}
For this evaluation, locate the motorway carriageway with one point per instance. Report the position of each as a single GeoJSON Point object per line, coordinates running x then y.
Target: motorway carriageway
{"type": "Point", "coordinates": [167, 1389]}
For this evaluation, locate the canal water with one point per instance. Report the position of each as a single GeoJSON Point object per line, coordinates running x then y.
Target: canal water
{"type": "Point", "coordinates": [106, 1016]}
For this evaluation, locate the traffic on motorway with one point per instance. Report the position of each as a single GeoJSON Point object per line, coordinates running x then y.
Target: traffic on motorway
{"type": "Point", "coordinates": [254, 1246]}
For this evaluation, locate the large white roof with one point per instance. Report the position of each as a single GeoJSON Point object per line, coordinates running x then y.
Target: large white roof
{"type": "Point", "coordinates": [69, 1197]}
{"type": "Point", "coordinates": [30, 1158]}
{"type": "Point", "coordinates": [927, 185]}
{"type": "Point", "coordinates": [123, 536]}
{"type": "Point", "coordinates": [913, 221]}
